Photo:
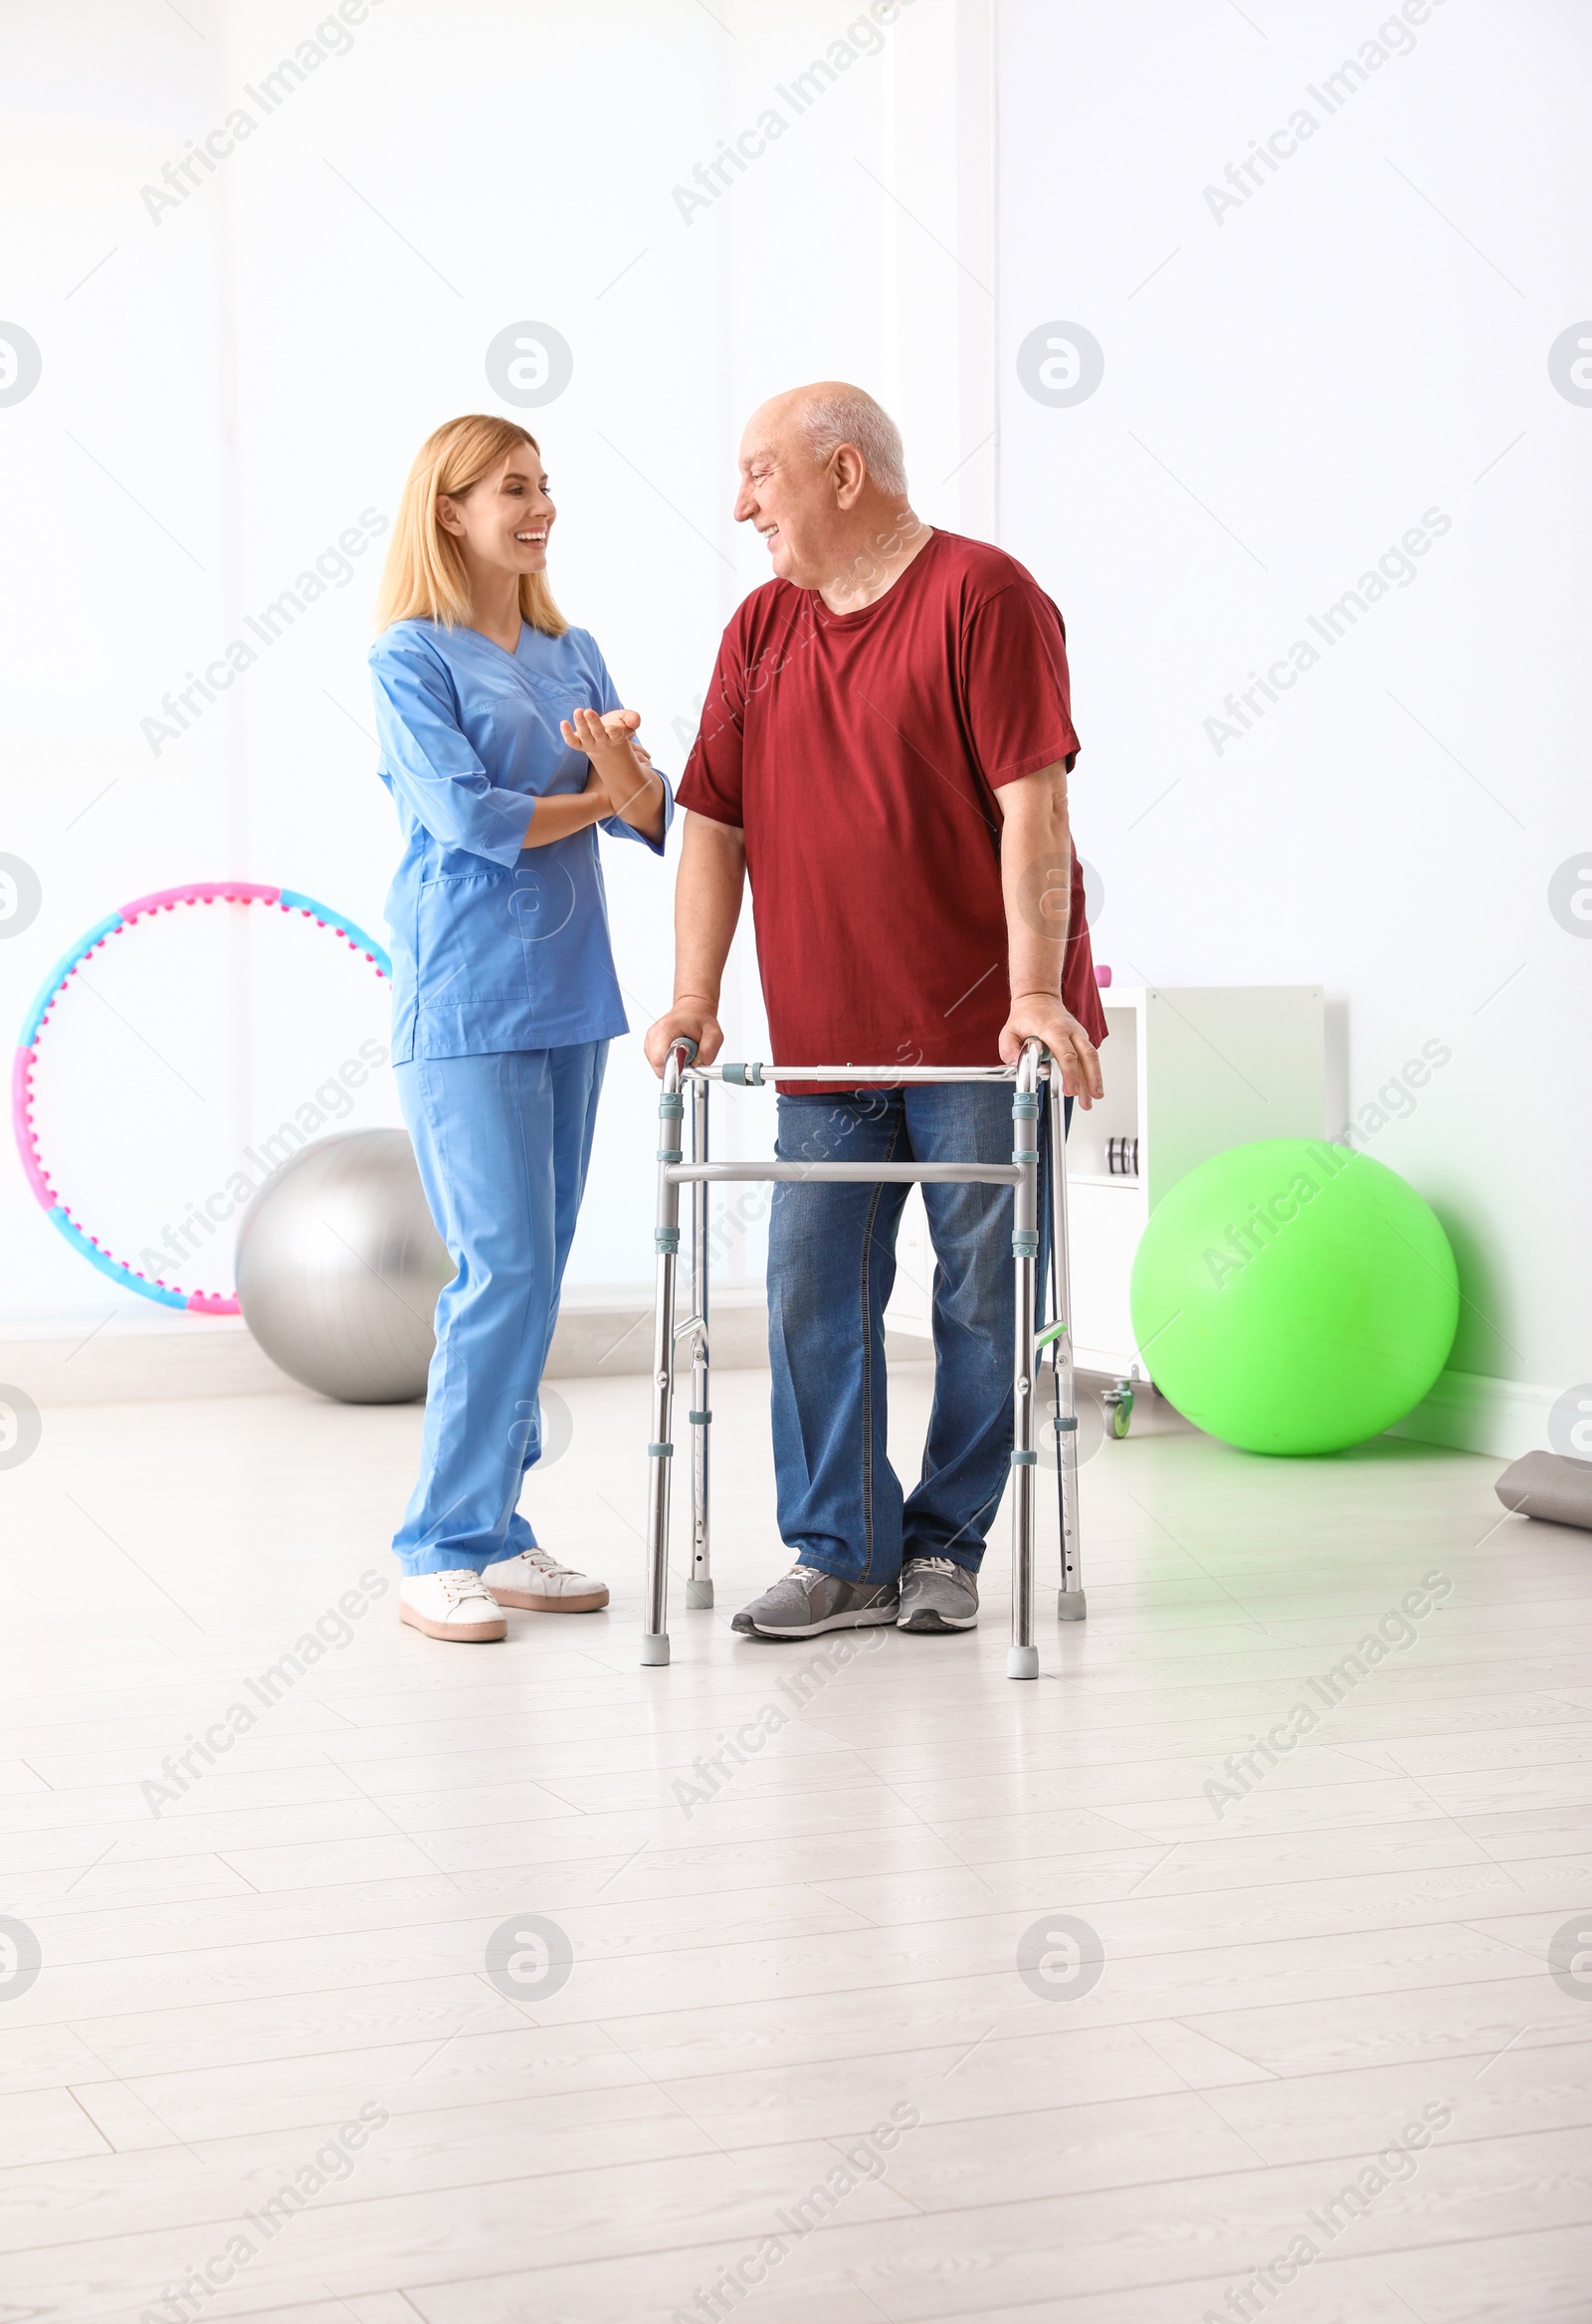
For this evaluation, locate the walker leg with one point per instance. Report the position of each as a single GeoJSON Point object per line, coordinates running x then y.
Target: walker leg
{"type": "Point", "coordinates": [661, 1452]}
{"type": "Point", "coordinates": [1070, 1602]}
{"type": "Point", "coordinates": [1022, 1660]}
{"type": "Point", "coordinates": [699, 1584]}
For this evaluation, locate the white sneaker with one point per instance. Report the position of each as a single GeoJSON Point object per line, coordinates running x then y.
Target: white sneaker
{"type": "Point", "coordinates": [540, 1584]}
{"type": "Point", "coordinates": [454, 1605]}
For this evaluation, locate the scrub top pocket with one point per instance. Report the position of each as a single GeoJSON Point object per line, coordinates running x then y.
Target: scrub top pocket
{"type": "Point", "coordinates": [464, 939]}
{"type": "Point", "coordinates": [541, 897]}
{"type": "Point", "coordinates": [480, 932]}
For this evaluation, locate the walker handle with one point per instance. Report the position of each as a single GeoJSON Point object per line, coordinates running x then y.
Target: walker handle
{"type": "Point", "coordinates": [683, 1041]}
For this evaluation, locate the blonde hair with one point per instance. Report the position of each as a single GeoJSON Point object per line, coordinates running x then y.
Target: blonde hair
{"type": "Point", "coordinates": [424, 577]}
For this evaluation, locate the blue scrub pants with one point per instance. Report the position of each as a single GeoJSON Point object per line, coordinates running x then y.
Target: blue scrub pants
{"type": "Point", "coordinates": [504, 1142]}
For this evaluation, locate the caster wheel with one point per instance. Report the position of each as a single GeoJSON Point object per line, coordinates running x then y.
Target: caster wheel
{"type": "Point", "coordinates": [1119, 1402]}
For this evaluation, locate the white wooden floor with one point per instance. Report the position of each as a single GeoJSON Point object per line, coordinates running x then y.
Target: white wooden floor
{"type": "Point", "coordinates": [826, 1944]}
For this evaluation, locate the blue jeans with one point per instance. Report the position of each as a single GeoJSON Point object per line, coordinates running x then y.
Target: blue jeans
{"type": "Point", "coordinates": [831, 1269]}
{"type": "Point", "coordinates": [504, 1142]}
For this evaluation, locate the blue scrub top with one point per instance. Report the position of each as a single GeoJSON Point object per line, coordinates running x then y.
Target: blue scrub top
{"type": "Point", "coordinates": [494, 945]}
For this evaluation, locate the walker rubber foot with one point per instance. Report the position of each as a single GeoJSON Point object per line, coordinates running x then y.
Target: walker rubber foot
{"type": "Point", "coordinates": [1021, 1661]}
{"type": "Point", "coordinates": [655, 1651]}
{"type": "Point", "coordinates": [1069, 1605]}
{"type": "Point", "coordinates": [698, 1595]}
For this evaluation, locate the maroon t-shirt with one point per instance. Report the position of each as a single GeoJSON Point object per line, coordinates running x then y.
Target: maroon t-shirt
{"type": "Point", "coordinates": [860, 753]}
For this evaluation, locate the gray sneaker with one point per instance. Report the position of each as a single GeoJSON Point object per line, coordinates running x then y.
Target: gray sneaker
{"type": "Point", "coordinates": [804, 1602]}
{"type": "Point", "coordinates": [937, 1594]}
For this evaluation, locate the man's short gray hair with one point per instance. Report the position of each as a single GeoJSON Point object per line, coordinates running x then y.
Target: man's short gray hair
{"type": "Point", "coordinates": [849, 415]}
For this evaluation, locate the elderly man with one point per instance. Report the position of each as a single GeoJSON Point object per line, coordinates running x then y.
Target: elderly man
{"type": "Point", "coordinates": [884, 752]}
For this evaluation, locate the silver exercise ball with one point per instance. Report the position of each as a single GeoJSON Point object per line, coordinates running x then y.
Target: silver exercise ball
{"type": "Point", "coordinates": [339, 1268]}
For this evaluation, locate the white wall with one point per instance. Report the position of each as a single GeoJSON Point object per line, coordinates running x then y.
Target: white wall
{"type": "Point", "coordinates": [100, 595]}
{"type": "Point", "coordinates": [255, 365]}
{"type": "Point", "coordinates": [1289, 384]}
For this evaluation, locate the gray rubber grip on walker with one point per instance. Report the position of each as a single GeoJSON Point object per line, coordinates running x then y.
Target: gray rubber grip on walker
{"type": "Point", "coordinates": [655, 1651]}
{"type": "Point", "coordinates": [1069, 1605]}
{"type": "Point", "coordinates": [1021, 1661]}
{"type": "Point", "coordinates": [697, 1596]}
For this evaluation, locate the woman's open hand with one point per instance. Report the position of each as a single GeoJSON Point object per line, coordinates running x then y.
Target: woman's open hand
{"type": "Point", "coordinates": [604, 735]}
{"type": "Point", "coordinates": [620, 764]}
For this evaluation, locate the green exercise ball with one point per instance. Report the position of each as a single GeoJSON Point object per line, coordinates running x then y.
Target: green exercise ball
{"type": "Point", "coordinates": [1293, 1296]}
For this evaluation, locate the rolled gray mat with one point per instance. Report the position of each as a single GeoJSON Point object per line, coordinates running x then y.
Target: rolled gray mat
{"type": "Point", "coordinates": [1550, 1486]}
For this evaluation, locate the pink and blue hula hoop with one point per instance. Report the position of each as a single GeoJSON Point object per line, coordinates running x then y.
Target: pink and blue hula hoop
{"type": "Point", "coordinates": [165, 899]}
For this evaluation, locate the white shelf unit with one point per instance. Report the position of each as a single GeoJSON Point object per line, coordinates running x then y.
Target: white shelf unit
{"type": "Point", "coordinates": [1190, 1070]}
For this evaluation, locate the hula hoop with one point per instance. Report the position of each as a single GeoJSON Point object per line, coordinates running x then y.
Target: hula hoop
{"type": "Point", "coordinates": [165, 899]}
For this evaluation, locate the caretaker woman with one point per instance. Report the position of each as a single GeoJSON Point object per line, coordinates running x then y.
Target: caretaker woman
{"type": "Point", "coordinates": [506, 749]}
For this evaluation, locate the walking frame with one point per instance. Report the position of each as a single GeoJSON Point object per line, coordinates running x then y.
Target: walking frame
{"type": "Point", "coordinates": [1035, 1071]}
